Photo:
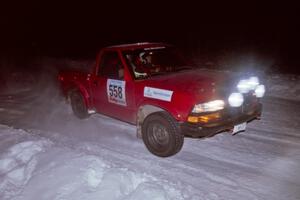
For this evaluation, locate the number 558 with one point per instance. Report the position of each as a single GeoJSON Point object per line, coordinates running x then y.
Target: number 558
{"type": "Point", "coordinates": [115, 91]}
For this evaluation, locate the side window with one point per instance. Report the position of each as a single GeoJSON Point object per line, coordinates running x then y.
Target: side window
{"type": "Point", "coordinates": [111, 66]}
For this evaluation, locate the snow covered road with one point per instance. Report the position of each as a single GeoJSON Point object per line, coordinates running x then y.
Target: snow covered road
{"type": "Point", "coordinates": [47, 153]}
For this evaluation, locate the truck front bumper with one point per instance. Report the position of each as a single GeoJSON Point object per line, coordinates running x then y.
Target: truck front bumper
{"type": "Point", "coordinates": [228, 120]}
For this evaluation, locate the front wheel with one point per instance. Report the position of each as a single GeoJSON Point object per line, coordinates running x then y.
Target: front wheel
{"type": "Point", "coordinates": [78, 105]}
{"type": "Point", "coordinates": [161, 134]}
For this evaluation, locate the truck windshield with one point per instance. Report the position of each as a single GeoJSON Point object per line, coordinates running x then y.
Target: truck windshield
{"type": "Point", "coordinates": [149, 62]}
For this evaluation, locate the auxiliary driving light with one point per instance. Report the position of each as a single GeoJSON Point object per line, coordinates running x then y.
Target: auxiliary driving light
{"type": "Point", "coordinates": [253, 82]}
{"type": "Point", "coordinates": [245, 85]}
{"type": "Point", "coordinates": [236, 99]}
{"type": "Point", "coordinates": [260, 91]}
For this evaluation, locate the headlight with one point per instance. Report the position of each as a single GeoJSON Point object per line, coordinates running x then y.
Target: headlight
{"type": "Point", "coordinates": [245, 85]}
{"type": "Point", "coordinates": [236, 99]}
{"type": "Point", "coordinates": [209, 106]}
{"type": "Point", "coordinates": [260, 91]}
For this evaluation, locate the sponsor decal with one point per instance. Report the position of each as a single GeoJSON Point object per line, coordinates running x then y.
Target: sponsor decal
{"type": "Point", "coordinates": [116, 92]}
{"type": "Point", "coordinates": [155, 93]}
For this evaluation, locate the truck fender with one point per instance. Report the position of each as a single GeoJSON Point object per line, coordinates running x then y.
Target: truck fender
{"type": "Point", "coordinates": [143, 112]}
{"type": "Point", "coordinates": [77, 86]}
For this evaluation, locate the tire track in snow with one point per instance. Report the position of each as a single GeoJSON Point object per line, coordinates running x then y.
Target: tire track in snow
{"type": "Point", "coordinates": [170, 167]}
{"type": "Point", "coordinates": [271, 137]}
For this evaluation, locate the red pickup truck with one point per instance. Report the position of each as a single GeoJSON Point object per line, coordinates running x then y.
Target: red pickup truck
{"type": "Point", "coordinates": [152, 86]}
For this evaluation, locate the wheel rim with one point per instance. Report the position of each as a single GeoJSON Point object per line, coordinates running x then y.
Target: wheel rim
{"type": "Point", "coordinates": [159, 137]}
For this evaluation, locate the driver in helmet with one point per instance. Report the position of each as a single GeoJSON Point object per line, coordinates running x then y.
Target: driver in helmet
{"type": "Point", "coordinates": [138, 67]}
{"type": "Point", "coordinates": [146, 58]}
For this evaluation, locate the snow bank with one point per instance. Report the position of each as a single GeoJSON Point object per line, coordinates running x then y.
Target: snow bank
{"type": "Point", "coordinates": [32, 167]}
{"type": "Point", "coordinates": [285, 86]}
{"type": "Point", "coordinates": [18, 161]}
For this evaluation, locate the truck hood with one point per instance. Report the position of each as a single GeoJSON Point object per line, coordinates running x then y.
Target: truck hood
{"type": "Point", "coordinates": [204, 83]}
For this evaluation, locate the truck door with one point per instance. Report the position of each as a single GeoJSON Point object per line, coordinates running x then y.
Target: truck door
{"type": "Point", "coordinates": [112, 94]}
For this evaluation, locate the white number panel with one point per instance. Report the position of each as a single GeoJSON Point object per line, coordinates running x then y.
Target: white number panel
{"type": "Point", "coordinates": [116, 92]}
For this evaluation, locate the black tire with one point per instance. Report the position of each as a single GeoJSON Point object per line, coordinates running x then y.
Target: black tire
{"type": "Point", "coordinates": [161, 134]}
{"type": "Point", "coordinates": [78, 105]}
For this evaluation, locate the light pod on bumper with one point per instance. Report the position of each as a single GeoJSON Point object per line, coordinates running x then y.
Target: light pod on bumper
{"type": "Point", "coordinates": [260, 91]}
{"type": "Point", "coordinates": [235, 99]}
{"type": "Point", "coordinates": [245, 85]}
{"type": "Point", "coordinates": [253, 82]}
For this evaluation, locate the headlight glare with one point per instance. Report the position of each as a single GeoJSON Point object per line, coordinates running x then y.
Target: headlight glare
{"type": "Point", "coordinates": [245, 85]}
{"type": "Point", "coordinates": [235, 99]}
{"type": "Point", "coordinates": [260, 91]}
{"type": "Point", "coordinates": [210, 106]}
{"type": "Point", "coordinates": [253, 82]}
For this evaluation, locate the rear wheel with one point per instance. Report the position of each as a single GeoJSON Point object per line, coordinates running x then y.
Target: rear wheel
{"type": "Point", "coordinates": [161, 134]}
{"type": "Point", "coordinates": [78, 105]}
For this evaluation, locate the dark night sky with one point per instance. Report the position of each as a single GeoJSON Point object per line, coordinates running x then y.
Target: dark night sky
{"type": "Point", "coordinates": [78, 29]}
